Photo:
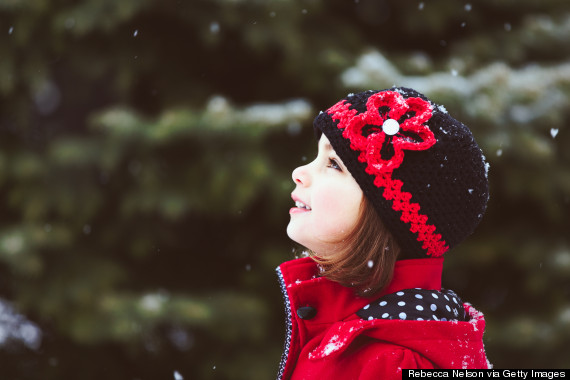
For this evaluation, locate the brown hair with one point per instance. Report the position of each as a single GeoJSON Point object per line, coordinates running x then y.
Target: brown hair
{"type": "Point", "coordinates": [366, 258]}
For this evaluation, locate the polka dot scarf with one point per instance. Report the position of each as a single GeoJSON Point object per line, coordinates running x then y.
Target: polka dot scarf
{"type": "Point", "coordinates": [416, 304]}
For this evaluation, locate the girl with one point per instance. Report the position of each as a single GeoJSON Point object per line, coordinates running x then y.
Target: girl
{"type": "Point", "coordinates": [396, 183]}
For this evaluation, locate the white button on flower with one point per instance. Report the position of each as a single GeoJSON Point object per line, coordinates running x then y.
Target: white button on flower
{"type": "Point", "coordinates": [390, 127]}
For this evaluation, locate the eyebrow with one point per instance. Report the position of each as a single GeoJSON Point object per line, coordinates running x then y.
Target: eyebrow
{"type": "Point", "coordinates": [328, 146]}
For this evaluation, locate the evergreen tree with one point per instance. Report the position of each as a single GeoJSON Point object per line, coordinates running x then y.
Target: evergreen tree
{"type": "Point", "coordinates": [145, 157]}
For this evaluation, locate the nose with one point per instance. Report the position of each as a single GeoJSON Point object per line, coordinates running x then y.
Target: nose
{"type": "Point", "coordinates": [301, 176]}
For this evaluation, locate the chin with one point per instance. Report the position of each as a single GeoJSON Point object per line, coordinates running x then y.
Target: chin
{"type": "Point", "coordinates": [296, 237]}
{"type": "Point", "coordinates": [293, 234]}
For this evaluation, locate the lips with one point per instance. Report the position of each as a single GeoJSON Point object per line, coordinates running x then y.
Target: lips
{"type": "Point", "coordinates": [300, 206]}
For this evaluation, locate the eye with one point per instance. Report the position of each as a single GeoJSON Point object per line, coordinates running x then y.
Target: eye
{"type": "Point", "coordinates": [333, 164]}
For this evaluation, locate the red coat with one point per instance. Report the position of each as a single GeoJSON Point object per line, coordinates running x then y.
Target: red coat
{"type": "Point", "coordinates": [335, 343]}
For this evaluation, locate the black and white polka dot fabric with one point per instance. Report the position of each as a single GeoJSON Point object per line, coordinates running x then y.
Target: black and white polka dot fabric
{"type": "Point", "coordinates": [416, 304]}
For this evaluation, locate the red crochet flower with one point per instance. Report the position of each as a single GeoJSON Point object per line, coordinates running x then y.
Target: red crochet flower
{"type": "Point", "coordinates": [389, 125]}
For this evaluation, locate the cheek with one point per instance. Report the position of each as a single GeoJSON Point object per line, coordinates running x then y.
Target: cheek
{"type": "Point", "coordinates": [338, 212]}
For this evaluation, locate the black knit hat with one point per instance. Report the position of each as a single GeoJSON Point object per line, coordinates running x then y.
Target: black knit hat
{"type": "Point", "coordinates": [420, 168]}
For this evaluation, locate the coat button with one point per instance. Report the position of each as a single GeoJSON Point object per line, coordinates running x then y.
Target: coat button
{"type": "Point", "coordinates": [306, 312]}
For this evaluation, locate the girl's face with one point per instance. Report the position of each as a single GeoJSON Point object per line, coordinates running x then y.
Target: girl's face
{"type": "Point", "coordinates": [327, 200]}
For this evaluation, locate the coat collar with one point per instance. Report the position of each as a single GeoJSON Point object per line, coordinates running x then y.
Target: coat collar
{"type": "Point", "coordinates": [334, 302]}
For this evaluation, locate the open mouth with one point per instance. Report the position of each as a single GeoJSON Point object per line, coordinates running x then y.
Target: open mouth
{"type": "Point", "coordinates": [301, 205]}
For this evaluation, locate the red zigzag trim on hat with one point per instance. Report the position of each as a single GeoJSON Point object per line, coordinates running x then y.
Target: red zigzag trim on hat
{"type": "Point", "coordinates": [433, 243]}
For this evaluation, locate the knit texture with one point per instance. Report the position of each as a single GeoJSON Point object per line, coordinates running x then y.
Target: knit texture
{"type": "Point", "coordinates": [420, 168]}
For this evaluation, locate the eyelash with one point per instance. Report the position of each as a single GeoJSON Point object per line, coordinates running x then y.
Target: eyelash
{"type": "Point", "coordinates": [333, 164]}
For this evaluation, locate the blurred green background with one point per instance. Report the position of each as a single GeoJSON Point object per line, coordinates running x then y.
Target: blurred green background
{"type": "Point", "coordinates": [145, 157]}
